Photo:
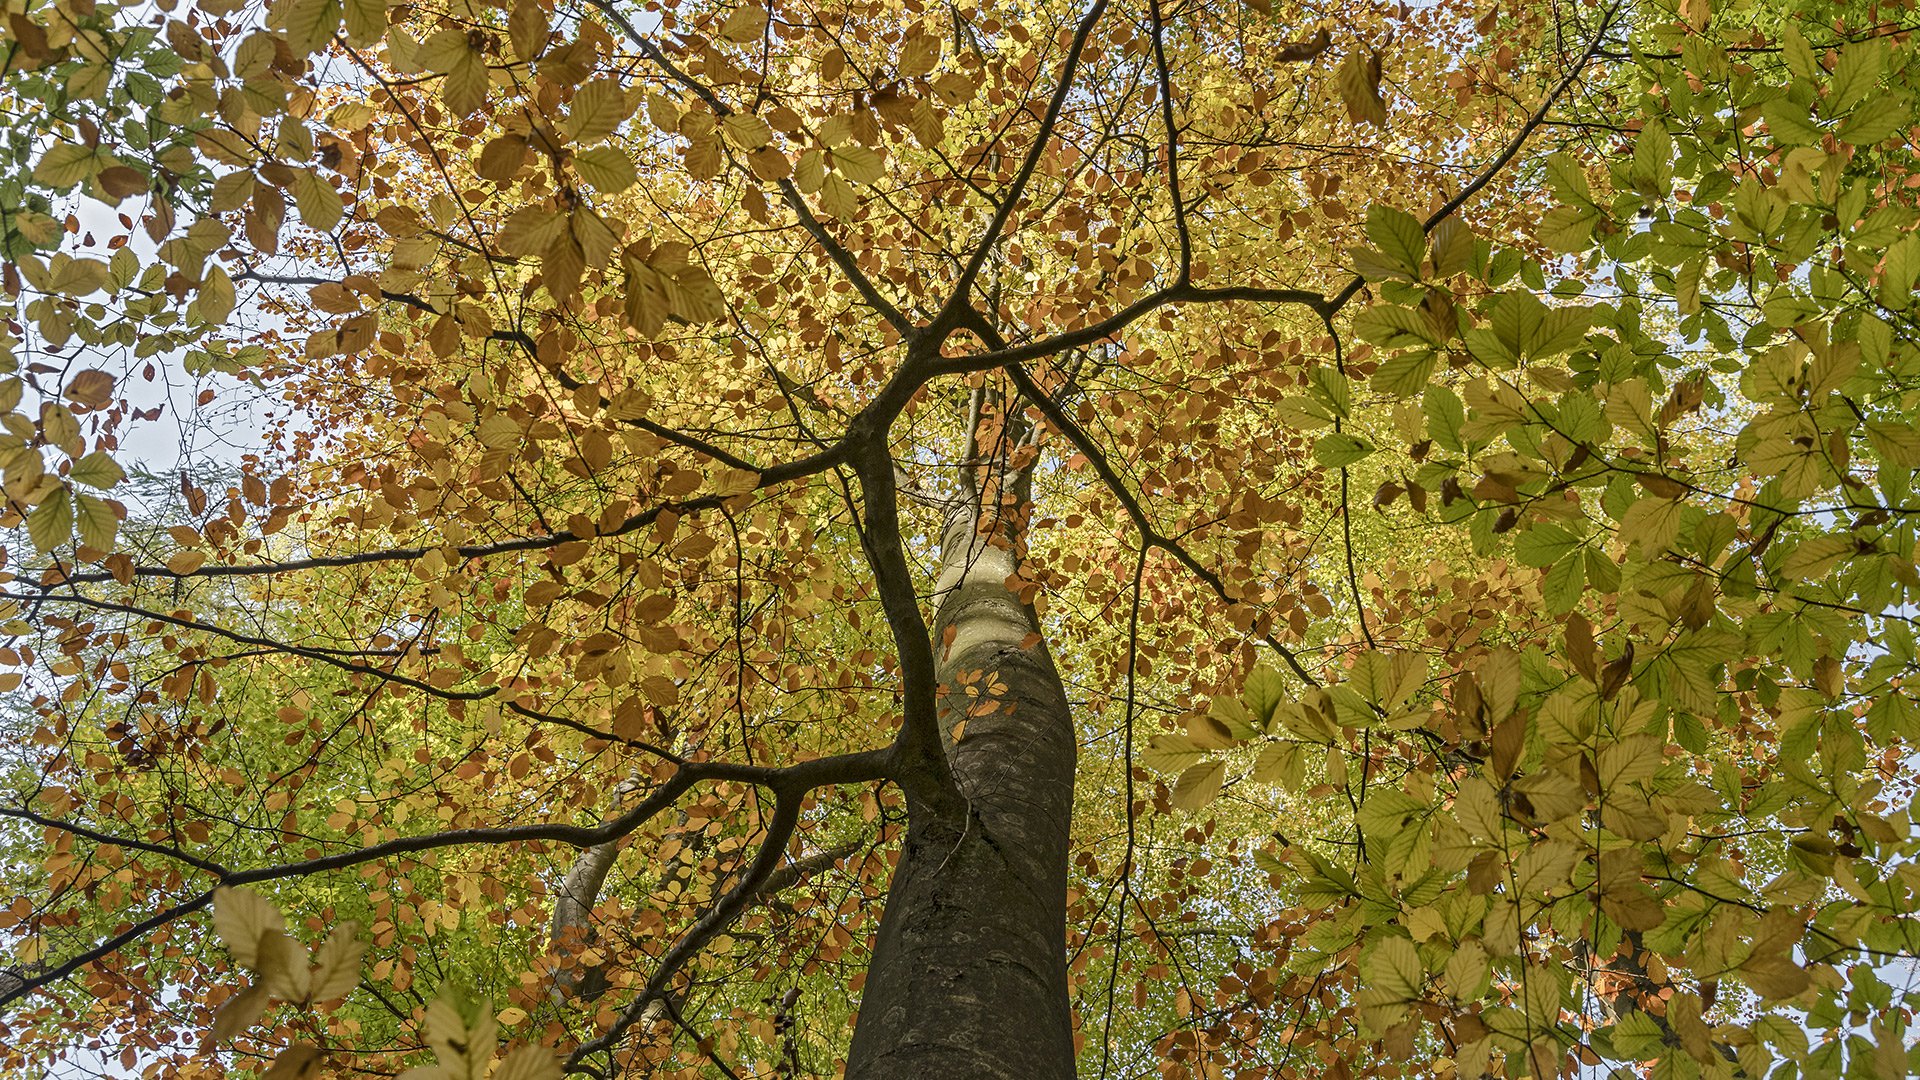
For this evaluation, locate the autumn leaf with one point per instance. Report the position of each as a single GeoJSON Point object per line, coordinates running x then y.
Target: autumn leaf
{"type": "Point", "coordinates": [1359, 82]}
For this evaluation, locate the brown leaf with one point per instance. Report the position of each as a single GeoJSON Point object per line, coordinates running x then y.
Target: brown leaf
{"type": "Point", "coordinates": [1483, 873]}
{"type": "Point", "coordinates": [1829, 677]}
{"type": "Point", "coordinates": [1662, 486]}
{"type": "Point", "coordinates": [1359, 82]}
{"type": "Point", "coordinates": [236, 1014]}
{"type": "Point", "coordinates": [1295, 51]}
{"type": "Point", "coordinates": [31, 35]}
{"type": "Point", "coordinates": [1580, 646]}
{"type": "Point", "coordinates": [122, 181]}
{"type": "Point", "coordinates": [91, 388]}
{"type": "Point", "coordinates": [1615, 674]}
{"type": "Point", "coordinates": [1509, 738]}
{"type": "Point", "coordinates": [1775, 976]}
{"type": "Point", "coordinates": [333, 298]}
{"type": "Point", "coordinates": [297, 1062]}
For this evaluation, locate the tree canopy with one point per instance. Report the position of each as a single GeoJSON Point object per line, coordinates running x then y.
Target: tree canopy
{"type": "Point", "coordinates": [892, 539]}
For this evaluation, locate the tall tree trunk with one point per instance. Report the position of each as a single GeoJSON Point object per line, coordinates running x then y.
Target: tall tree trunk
{"type": "Point", "coordinates": [969, 976]}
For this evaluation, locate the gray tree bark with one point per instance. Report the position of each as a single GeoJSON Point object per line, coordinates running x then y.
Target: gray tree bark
{"type": "Point", "coordinates": [968, 979]}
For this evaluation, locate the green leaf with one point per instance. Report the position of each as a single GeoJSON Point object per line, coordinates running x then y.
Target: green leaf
{"type": "Point", "coordinates": [1652, 524]}
{"type": "Point", "coordinates": [599, 108]}
{"type": "Point", "coordinates": [1873, 124]}
{"type": "Point", "coordinates": [1393, 965]}
{"type": "Point", "coordinates": [1281, 763]}
{"type": "Point", "coordinates": [1398, 235]}
{"type": "Point", "coordinates": [1329, 386]}
{"type": "Point", "coordinates": [366, 21]}
{"type": "Point", "coordinates": [1897, 443]}
{"type": "Point", "coordinates": [1339, 449]}
{"type": "Point", "coordinates": [67, 164]}
{"type": "Point", "coordinates": [1544, 545]}
{"type": "Point", "coordinates": [1790, 124]}
{"type": "Point", "coordinates": [1405, 374]}
{"type": "Point", "coordinates": [1263, 694]}
{"type": "Point", "coordinates": [1199, 785]}
{"type": "Point", "coordinates": [1170, 753]}
{"type": "Point", "coordinates": [1569, 180]}
{"type": "Point", "coordinates": [1854, 76]}
{"type": "Point", "coordinates": [606, 167]}
{"type": "Point", "coordinates": [97, 470]}
{"type": "Point", "coordinates": [98, 521]}
{"type": "Point", "coordinates": [216, 298]}
{"type": "Point", "coordinates": [51, 523]}
{"type": "Point", "coordinates": [1653, 159]}
{"type": "Point", "coordinates": [1560, 589]}
{"type": "Point", "coordinates": [1798, 53]}
{"type": "Point", "coordinates": [1638, 1036]}
{"type": "Point", "coordinates": [1393, 326]}
{"type": "Point", "coordinates": [320, 205]}
{"type": "Point", "coordinates": [1568, 229]}
{"type": "Point", "coordinates": [310, 24]}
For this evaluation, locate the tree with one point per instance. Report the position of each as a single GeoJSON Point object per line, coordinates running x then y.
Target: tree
{"type": "Point", "coordinates": [775, 503]}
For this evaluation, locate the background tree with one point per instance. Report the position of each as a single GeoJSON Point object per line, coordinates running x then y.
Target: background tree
{"type": "Point", "coordinates": [781, 512]}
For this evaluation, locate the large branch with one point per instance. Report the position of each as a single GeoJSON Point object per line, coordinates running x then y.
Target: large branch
{"type": "Point", "coordinates": [772, 476]}
{"type": "Point", "coordinates": [790, 783]}
{"type": "Point", "coordinates": [335, 658]}
{"type": "Point", "coordinates": [924, 772]}
{"type": "Point", "coordinates": [1322, 304]}
{"type": "Point", "coordinates": [773, 848]}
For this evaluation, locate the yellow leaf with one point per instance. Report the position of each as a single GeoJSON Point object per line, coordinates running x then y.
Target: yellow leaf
{"type": "Point", "coordinates": [66, 164]}
{"type": "Point", "coordinates": [598, 109]}
{"type": "Point", "coordinates": [320, 205]}
{"type": "Point", "coordinates": [336, 964]}
{"type": "Point", "coordinates": [530, 231]}
{"type": "Point", "coordinates": [747, 131]}
{"type": "Point", "coordinates": [1199, 785]}
{"type": "Point", "coordinates": [283, 966]}
{"type": "Point", "coordinates": [51, 523]}
{"type": "Point", "coordinates": [367, 21]}
{"type": "Point", "coordinates": [186, 562]}
{"type": "Point", "coordinates": [310, 24]}
{"type": "Point", "coordinates": [1359, 81]}
{"type": "Point", "coordinates": [605, 167]}
{"type": "Point", "coordinates": [240, 917]}
{"type": "Point", "coordinates": [919, 55]}
{"type": "Point", "coordinates": [860, 164]}
{"type": "Point", "coordinates": [92, 388]}
{"type": "Point", "coordinates": [216, 298]}
{"type": "Point", "coordinates": [465, 88]}
{"type": "Point", "coordinates": [746, 24]}
{"type": "Point", "coordinates": [99, 520]}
